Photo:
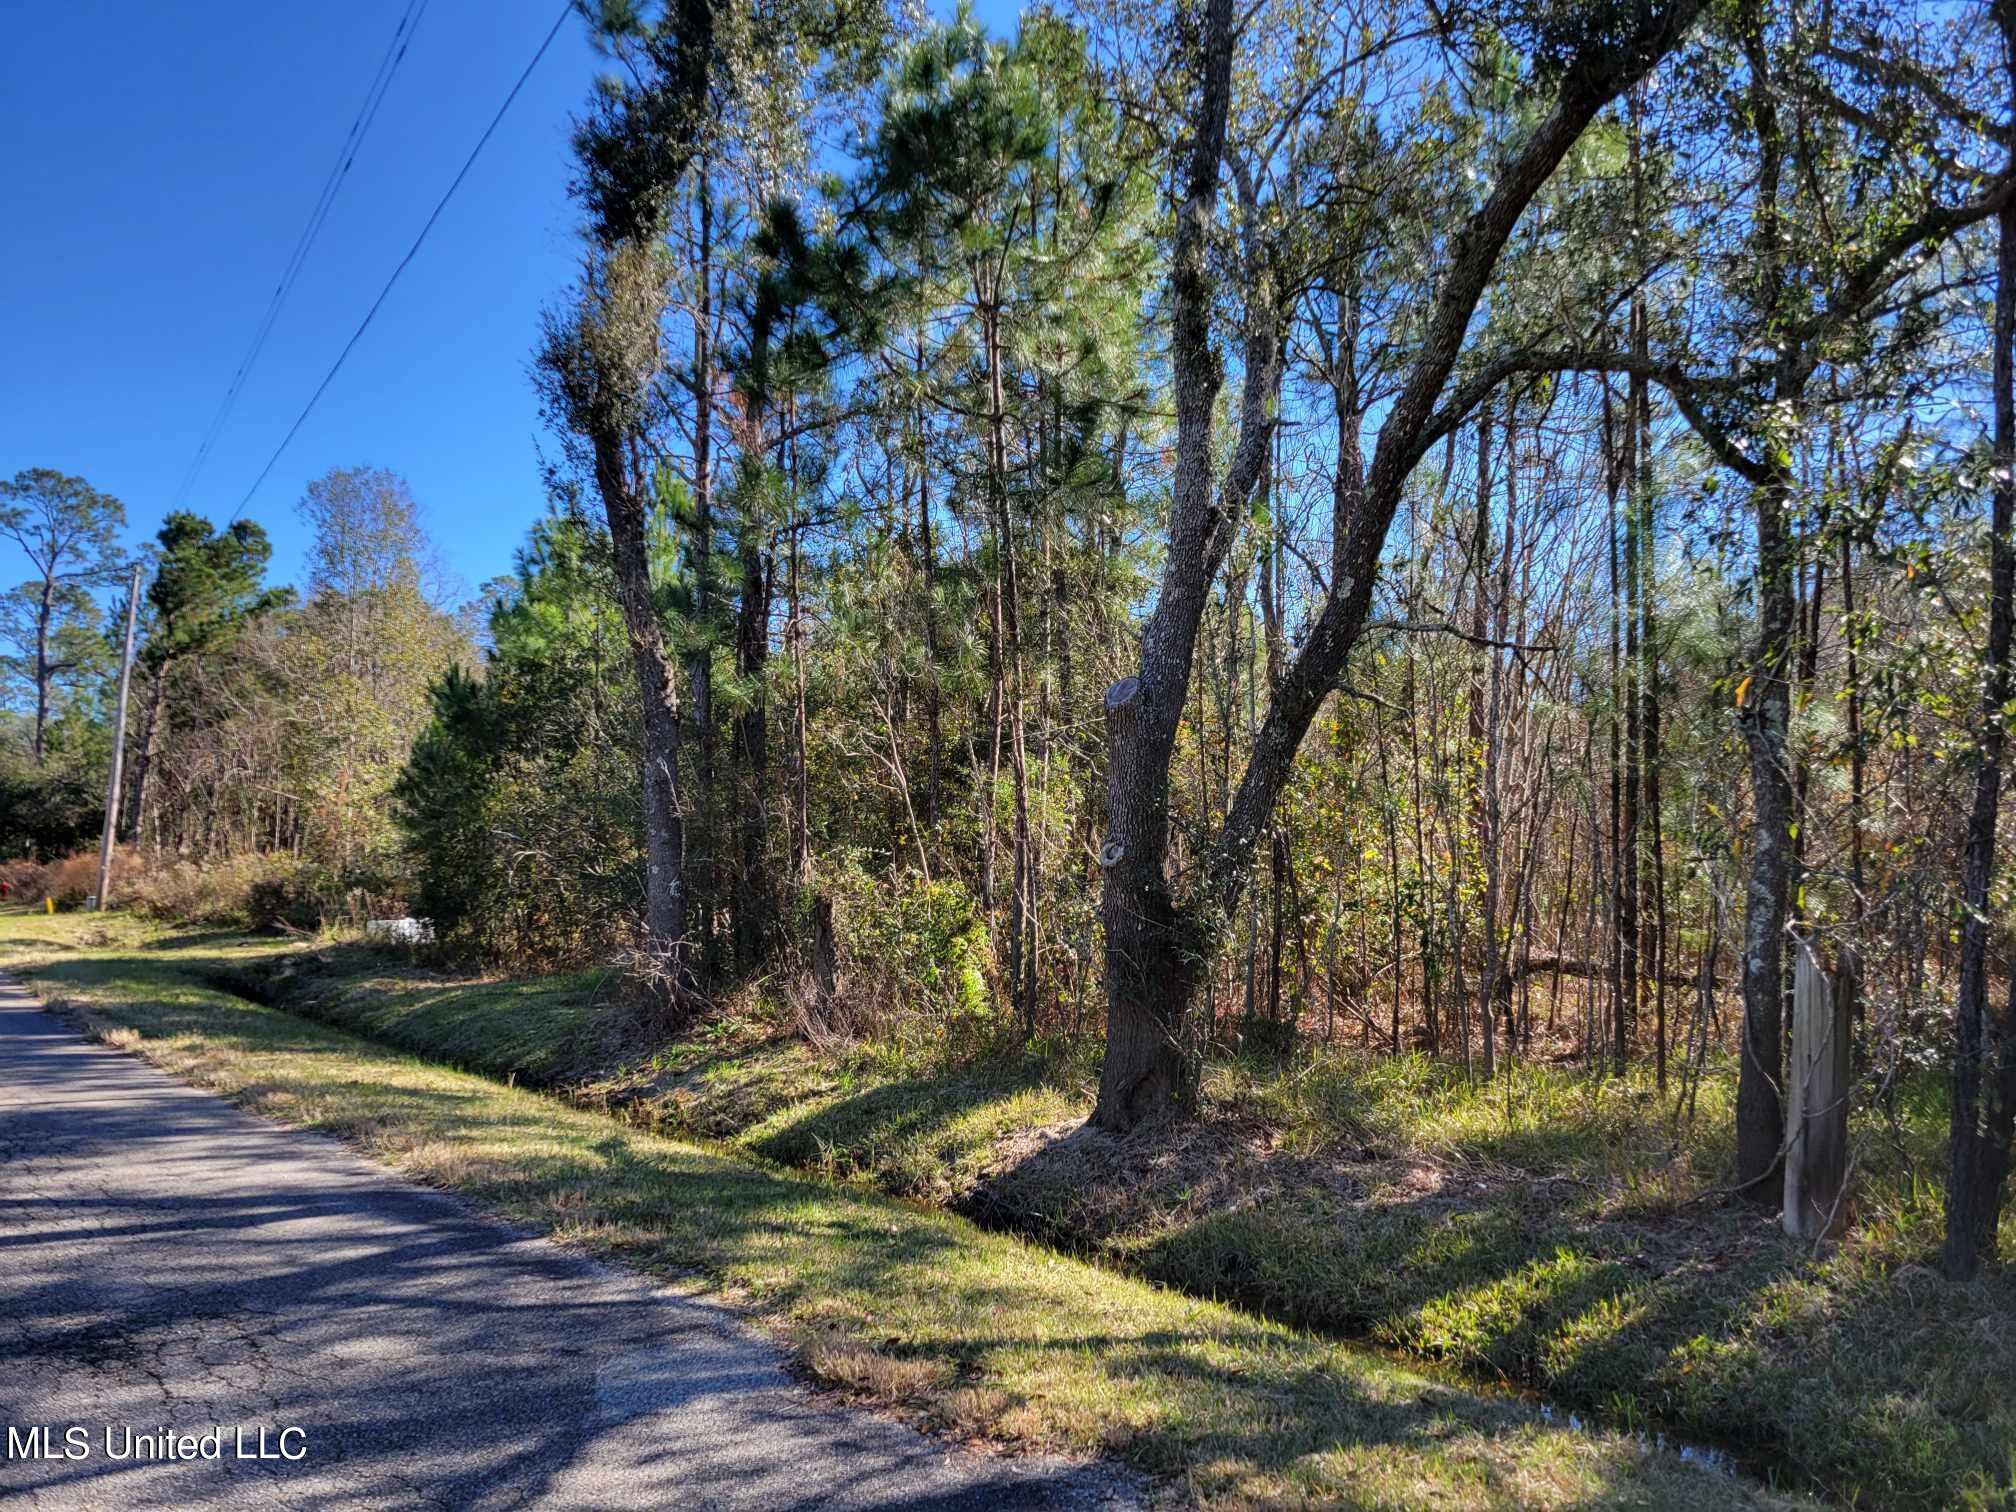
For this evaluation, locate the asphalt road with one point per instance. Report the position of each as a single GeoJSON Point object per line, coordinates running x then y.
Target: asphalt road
{"type": "Point", "coordinates": [168, 1262]}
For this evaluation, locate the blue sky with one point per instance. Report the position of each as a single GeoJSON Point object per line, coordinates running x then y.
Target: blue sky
{"type": "Point", "coordinates": [157, 170]}
{"type": "Point", "coordinates": [157, 163]}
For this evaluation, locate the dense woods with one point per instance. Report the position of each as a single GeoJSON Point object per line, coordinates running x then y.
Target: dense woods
{"type": "Point", "coordinates": [1486, 534]}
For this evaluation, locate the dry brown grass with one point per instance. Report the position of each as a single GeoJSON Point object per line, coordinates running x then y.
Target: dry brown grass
{"type": "Point", "coordinates": [847, 1363]}
{"type": "Point", "coordinates": [972, 1410]}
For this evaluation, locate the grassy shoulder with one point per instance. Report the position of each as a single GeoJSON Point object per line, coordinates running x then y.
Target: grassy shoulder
{"type": "Point", "coordinates": [983, 1334]}
{"type": "Point", "coordinates": [1549, 1231]}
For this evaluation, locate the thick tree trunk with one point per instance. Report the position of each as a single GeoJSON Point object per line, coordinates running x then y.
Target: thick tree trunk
{"type": "Point", "coordinates": [603, 398]}
{"type": "Point", "coordinates": [1766, 715]}
{"type": "Point", "coordinates": [1858, 758]}
{"type": "Point", "coordinates": [1154, 959]}
{"type": "Point", "coordinates": [1765, 705]}
{"type": "Point", "coordinates": [658, 686]}
{"type": "Point", "coordinates": [801, 776]}
{"type": "Point", "coordinates": [700, 660]}
{"type": "Point", "coordinates": [1153, 953]}
{"type": "Point", "coordinates": [1984, 1058]}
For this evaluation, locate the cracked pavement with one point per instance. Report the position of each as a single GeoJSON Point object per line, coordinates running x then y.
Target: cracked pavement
{"type": "Point", "coordinates": [167, 1260]}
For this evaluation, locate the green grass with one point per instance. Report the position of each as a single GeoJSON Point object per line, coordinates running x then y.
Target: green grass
{"type": "Point", "coordinates": [1547, 1232]}
{"type": "Point", "coordinates": [979, 1332]}
{"type": "Point", "coordinates": [547, 1030]}
{"type": "Point", "coordinates": [1555, 1232]}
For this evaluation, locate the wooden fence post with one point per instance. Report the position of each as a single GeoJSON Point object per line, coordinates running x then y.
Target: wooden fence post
{"type": "Point", "coordinates": [1817, 1090]}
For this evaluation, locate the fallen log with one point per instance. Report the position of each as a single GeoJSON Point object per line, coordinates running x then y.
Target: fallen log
{"type": "Point", "coordinates": [1540, 965]}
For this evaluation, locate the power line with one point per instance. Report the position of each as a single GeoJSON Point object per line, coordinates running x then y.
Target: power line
{"type": "Point", "coordinates": [388, 65]}
{"type": "Point", "coordinates": [360, 127]}
{"type": "Point", "coordinates": [566, 10]}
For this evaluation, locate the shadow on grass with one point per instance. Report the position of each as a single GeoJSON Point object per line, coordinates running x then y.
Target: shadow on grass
{"type": "Point", "coordinates": [1517, 1290]}
{"type": "Point", "coordinates": [43, 942]}
{"type": "Point", "coordinates": [1706, 1327]}
{"type": "Point", "coordinates": [182, 941]}
{"type": "Point", "coordinates": [1718, 1336]}
{"type": "Point", "coordinates": [1072, 1355]}
{"type": "Point", "coordinates": [421, 1344]}
{"type": "Point", "coordinates": [906, 1115]}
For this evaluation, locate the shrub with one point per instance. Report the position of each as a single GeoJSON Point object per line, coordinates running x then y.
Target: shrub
{"type": "Point", "coordinates": [74, 879]}
{"type": "Point", "coordinates": [181, 891]}
{"type": "Point", "coordinates": [189, 893]}
{"type": "Point", "coordinates": [289, 895]}
{"type": "Point", "coordinates": [912, 955]}
{"type": "Point", "coordinates": [252, 891]}
{"type": "Point", "coordinates": [26, 881]}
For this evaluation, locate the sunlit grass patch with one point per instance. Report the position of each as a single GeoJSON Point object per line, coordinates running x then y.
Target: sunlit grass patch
{"type": "Point", "coordinates": [976, 1331]}
{"type": "Point", "coordinates": [1554, 1230]}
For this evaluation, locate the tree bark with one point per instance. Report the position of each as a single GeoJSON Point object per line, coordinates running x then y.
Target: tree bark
{"type": "Point", "coordinates": [1153, 956]}
{"type": "Point", "coordinates": [700, 660]}
{"type": "Point", "coordinates": [45, 613]}
{"type": "Point", "coordinates": [1984, 1058]}
{"type": "Point", "coordinates": [801, 776]}
{"type": "Point", "coordinates": [659, 121]}
{"type": "Point", "coordinates": [1153, 950]}
{"type": "Point", "coordinates": [658, 685]}
{"type": "Point", "coordinates": [1765, 702]}
{"type": "Point", "coordinates": [1766, 714]}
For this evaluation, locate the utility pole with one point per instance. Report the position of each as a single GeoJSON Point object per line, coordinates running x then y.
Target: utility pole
{"type": "Point", "coordinates": [118, 743]}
